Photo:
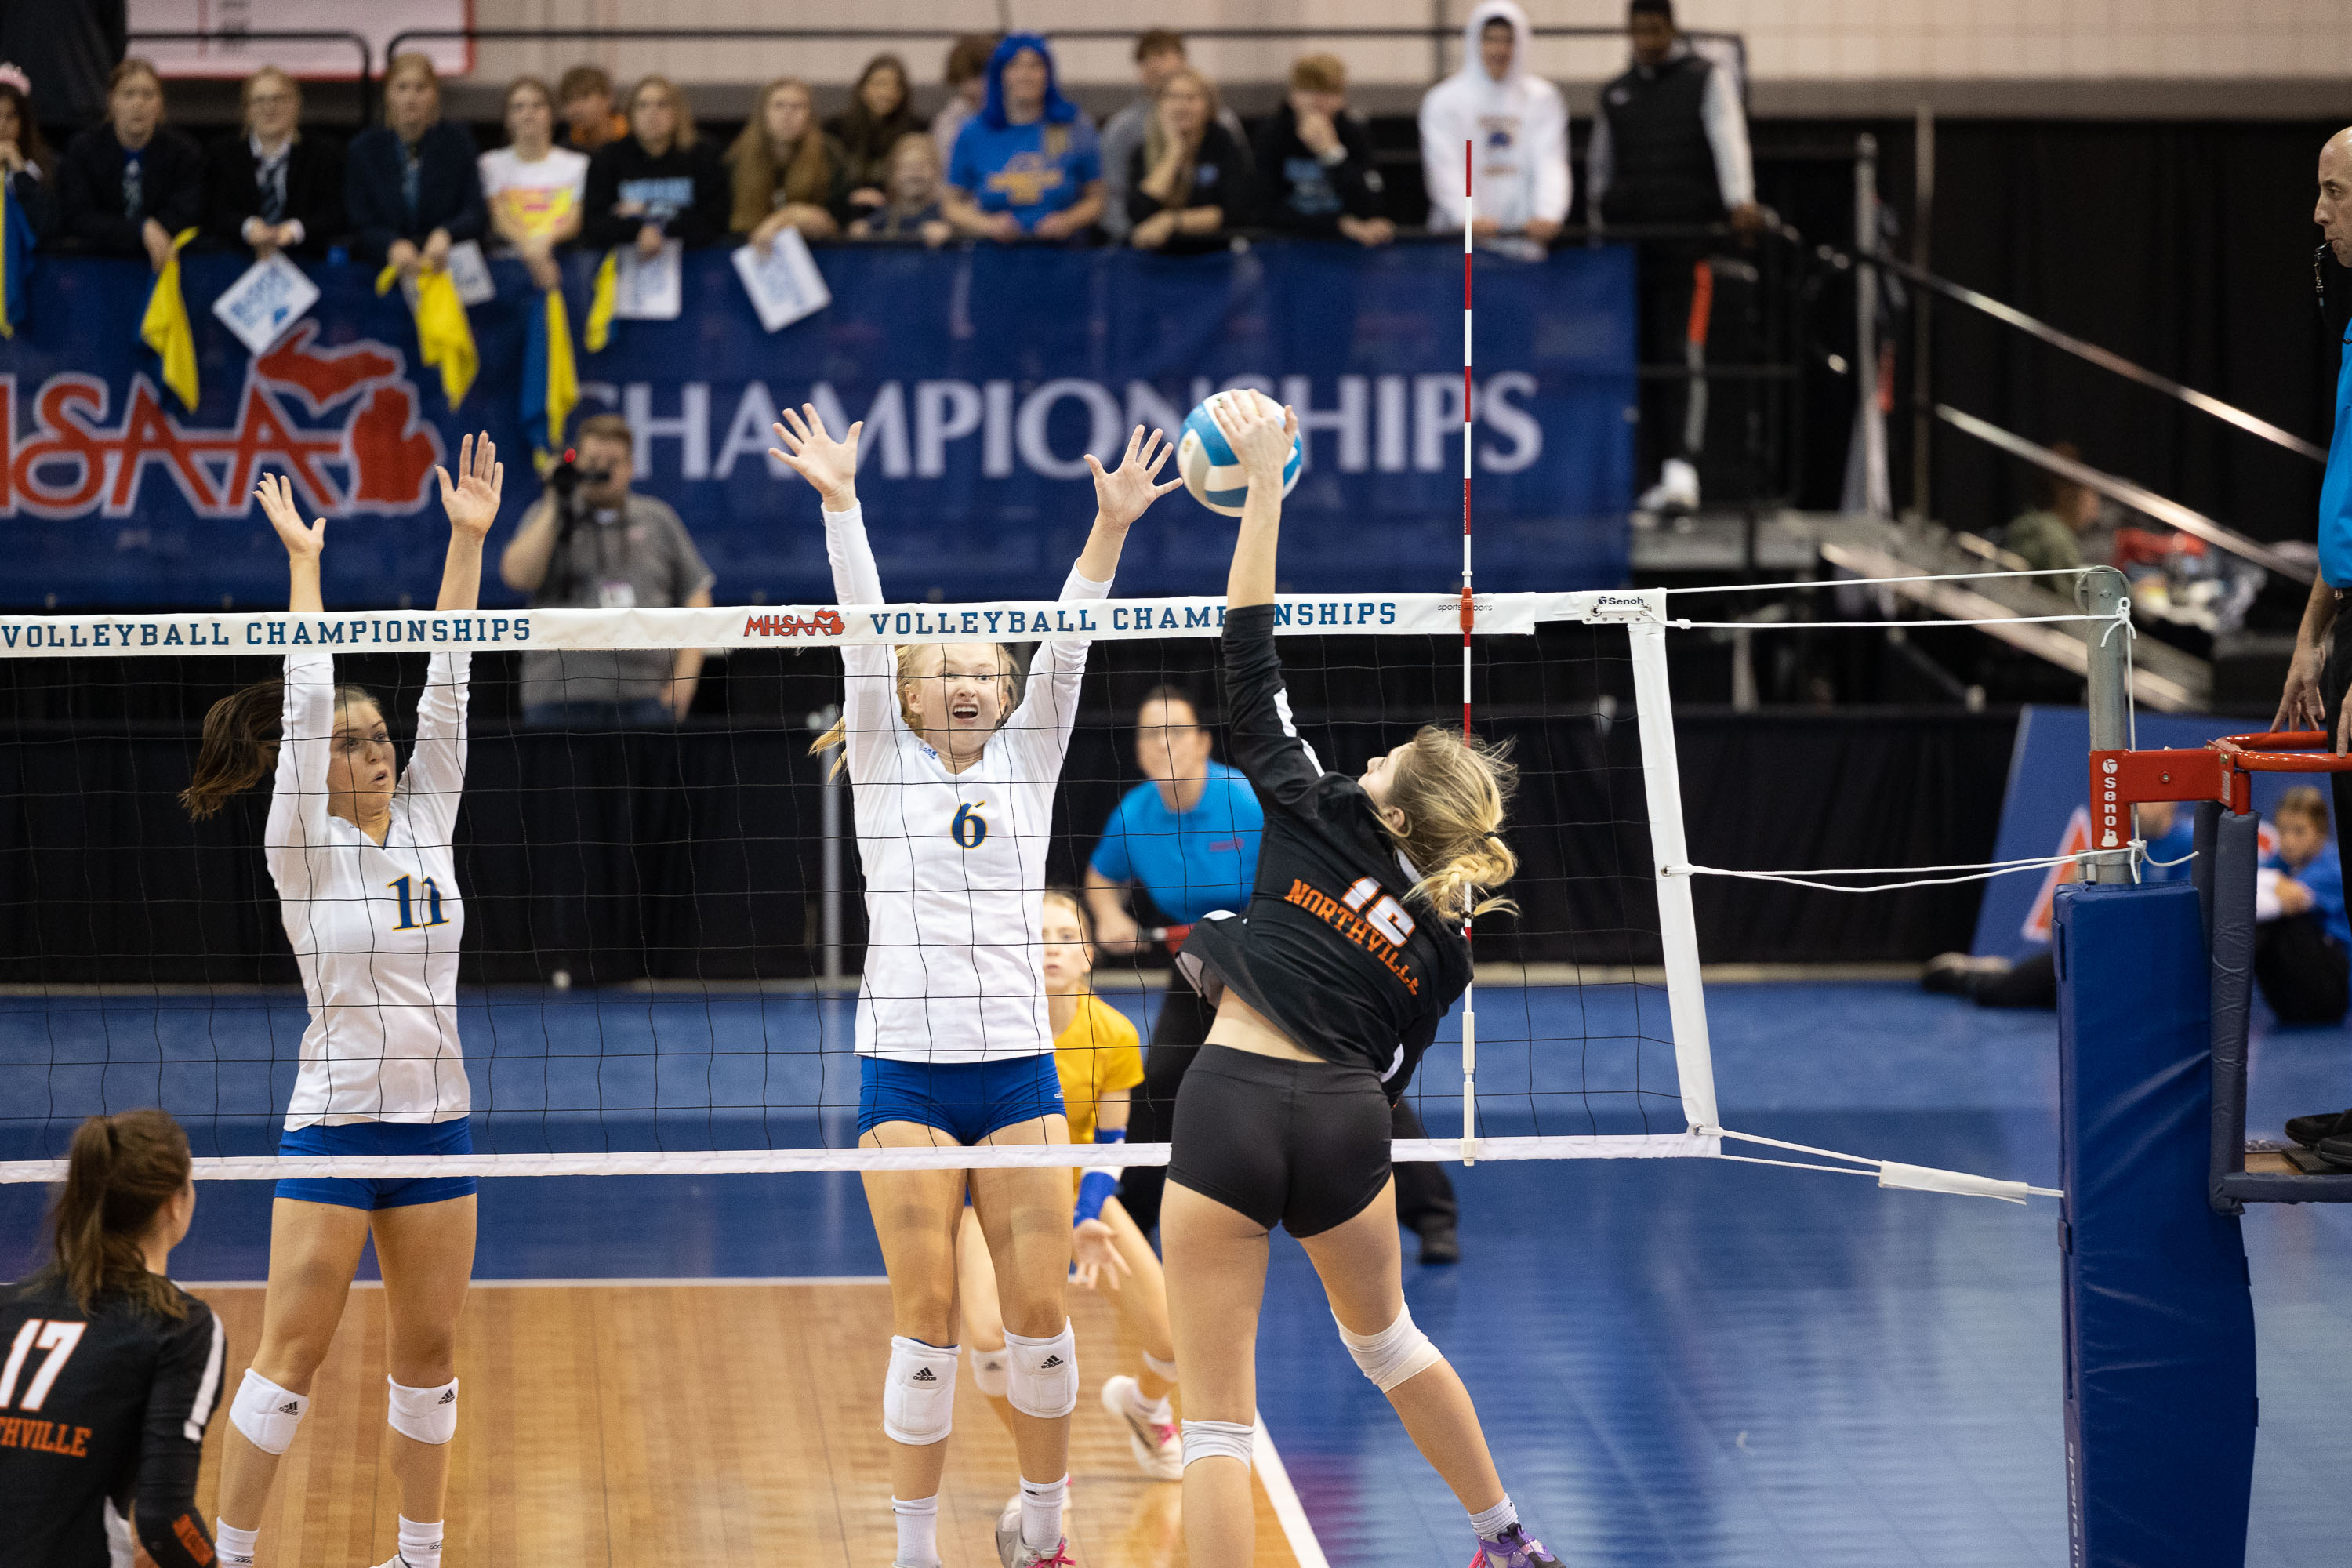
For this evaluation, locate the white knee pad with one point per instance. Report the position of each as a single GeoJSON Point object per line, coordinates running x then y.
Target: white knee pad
{"type": "Point", "coordinates": [989, 1371]}
{"type": "Point", "coordinates": [1219, 1440]}
{"type": "Point", "coordinates": [267, 1414]}
{"type": "Point", "coordinates": [428, 1414]}
{"type": "Point", "coordinates": [919, 1392]}
{"type": "Point", "coordinates": [1043, 1381]}
{"type": "Point", "coordinates": [1397, 1352]}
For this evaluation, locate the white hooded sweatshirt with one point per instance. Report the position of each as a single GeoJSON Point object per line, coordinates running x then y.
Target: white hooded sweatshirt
{"type": "Point", "coordinates": [1520, 126]}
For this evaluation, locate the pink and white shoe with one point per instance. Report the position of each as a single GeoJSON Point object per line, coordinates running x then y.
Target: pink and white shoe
{"type": "Point", "coordinates": [1158, 1445]}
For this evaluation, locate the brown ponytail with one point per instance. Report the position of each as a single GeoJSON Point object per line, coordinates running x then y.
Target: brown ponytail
{"type": "Point", "coordinates": [1453, 794]}
{"type": "Point", "coordinates": [240, 745]}
{"type": "Point", "coordinates": [123, 1168]}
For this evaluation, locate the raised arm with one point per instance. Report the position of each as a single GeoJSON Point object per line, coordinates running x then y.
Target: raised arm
{"type": "Point", "coordinates": [869, 702]}
{"type": "Point", "coordinates": [1262, 443]}
{"type": "Point", "coordinates": [436, 777]}
{"type": "Point", "coordinates": [472, 504]}
{"type": "Point", "coordinates": [1266, 744]}
{"type": "Point", "coordinates": [297, 804]}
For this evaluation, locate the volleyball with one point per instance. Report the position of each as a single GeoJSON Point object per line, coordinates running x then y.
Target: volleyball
{"type": "Point", "coordinates": [1211, 470]}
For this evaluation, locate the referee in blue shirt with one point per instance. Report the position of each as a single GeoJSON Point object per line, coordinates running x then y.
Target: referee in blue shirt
{"type": "Point", "coordinates": [2320, 677]}
{"type": "Point", "coordinates": [1188, 838]}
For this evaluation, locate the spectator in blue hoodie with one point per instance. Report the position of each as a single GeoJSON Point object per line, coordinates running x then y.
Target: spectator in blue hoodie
{"type": "Point", "coordinates": [2303, 942]}
{"type": "Point", "coordinates": [1027, 165]}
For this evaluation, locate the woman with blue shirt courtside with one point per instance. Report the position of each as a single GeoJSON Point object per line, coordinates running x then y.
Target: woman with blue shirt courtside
{"type": "Point", "coordinates": [1027, 165]}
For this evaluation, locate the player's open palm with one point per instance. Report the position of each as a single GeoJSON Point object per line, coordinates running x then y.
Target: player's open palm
{"type": "Point", "coordinates": [1260, 438]}
{"type": "Point", "coordinates": [472, 502]}
{"type": "Point", "coordinates": [809, 451]}
{"type": "Point", "coordinates": [1123, 494]}
{"type": "Point", "coordinates": [276, 494]}
{"type": "Point", "coordinates": [1095, 1262]}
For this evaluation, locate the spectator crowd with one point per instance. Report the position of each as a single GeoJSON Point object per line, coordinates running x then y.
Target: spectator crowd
{"type": "Point", "coordinates": [1009, 157]}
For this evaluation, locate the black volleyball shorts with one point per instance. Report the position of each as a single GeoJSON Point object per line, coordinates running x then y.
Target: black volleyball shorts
{"type": "Point", "coordinates": [1303, 1145]}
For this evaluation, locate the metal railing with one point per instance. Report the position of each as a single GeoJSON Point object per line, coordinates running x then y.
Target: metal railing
{"type": "Point", "coordinates": [245, 36]}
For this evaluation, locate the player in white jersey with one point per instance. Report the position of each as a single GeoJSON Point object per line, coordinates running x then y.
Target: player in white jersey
{"type": "Point", "coordinates": [367, 886]}
{"type": "Point", "coordinates": [953, 773]}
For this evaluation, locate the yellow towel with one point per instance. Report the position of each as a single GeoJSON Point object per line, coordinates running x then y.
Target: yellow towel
{"type": "Point", "coordinates": [445, 337]}
{"type": "Point", "coordinates": [563, 375]}
{"type": "Point", "coordinates": [600, 308]}
{"type": "Point", "coordinates": [164, 328]}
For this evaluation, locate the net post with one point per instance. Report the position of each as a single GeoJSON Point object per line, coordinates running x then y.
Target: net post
{"type": "Point", "coordinates": [2101, 593]}
{"type": "Point", "coordinates": [829, 823]}
{"type": "Point", "coordinates": [1653, 718]}
{"type": "Point", "coordinates": [1469, 619]}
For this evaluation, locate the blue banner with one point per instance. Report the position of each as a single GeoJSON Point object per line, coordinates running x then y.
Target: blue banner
{"type": "Point", "coordinates": [983, 376]}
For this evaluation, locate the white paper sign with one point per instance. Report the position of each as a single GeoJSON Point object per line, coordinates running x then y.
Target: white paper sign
{"type": "Point", "coordinates": [783, 280]}
{"type": "Point", "coordinates": [260, 305]}
{"type": "Point", "coordinates": [650, 288]}
{"type": "Point", "coordinates": [471, 274]}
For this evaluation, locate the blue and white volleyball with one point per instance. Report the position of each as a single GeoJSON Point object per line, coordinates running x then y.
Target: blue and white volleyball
{"type": "Point", "coordinates": [1211, 470]}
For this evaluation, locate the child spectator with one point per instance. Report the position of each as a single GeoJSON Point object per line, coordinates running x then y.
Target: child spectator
{"type": "Point", "coordinates": [2303, 941]}
{"type": "Point", "coordinates": [533, 187]}
{"type": "Point", "coordinates": [659, 182]}
{"type": "Point", "coordinates": [1028, 163]}
{"type": "Point", "coordinates": [1315, 172]}
{"type": "Point", "coordinates": [585, 97]}
{"type": "Point", "coordinates": [411, 185]}
{"type": "Point", "coordinates": [1188, 169]}
{"type": "Point", "coordinates": [881, 111]}
{"type": "Point", "coordinates": [1158, 54]}
{"type": "Point", "coordinates": [913, 211]}
{"type": "Point", "coordinates": [1517, 119]}
{"type": "Point", "coordinates": [131, 182]}
{"type": "Point", "coordinates": [24, 160]}
{"type": "Point", "coordinates": [270, 187]}
{"type": "Point", "coordinates": [785, 172]}
{"type": "Point", "coordinates": [967, 79]}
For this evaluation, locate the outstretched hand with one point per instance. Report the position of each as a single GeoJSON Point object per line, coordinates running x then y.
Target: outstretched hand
{"type": "Point", "coordinates": [829, 464]}
{"type": "Point", "coordinates": [472, 502]}
{"type": "Point", "coordinates": [276, 494]}
{"type": "Point", "coordinates": [1126, 492]}
{"type": "Point", "coordinates": [1261, 440]}
{"type": "Point", "coordinates": [1095, 1262]}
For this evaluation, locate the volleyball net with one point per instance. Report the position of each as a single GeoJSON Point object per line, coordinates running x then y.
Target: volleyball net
{"type": "Point", "coordinates": [663, 928]}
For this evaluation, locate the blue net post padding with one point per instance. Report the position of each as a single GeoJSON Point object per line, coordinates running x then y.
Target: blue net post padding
{"type": "Point", "coordinates": [2159, 1324]}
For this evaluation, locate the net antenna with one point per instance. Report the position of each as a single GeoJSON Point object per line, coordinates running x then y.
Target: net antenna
{"type": "Point", "coordinates": [1469, 621]}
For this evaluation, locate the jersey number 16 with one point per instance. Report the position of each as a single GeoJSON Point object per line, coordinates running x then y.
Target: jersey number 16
{"type": "Point", "coordinates": [1387, 916]}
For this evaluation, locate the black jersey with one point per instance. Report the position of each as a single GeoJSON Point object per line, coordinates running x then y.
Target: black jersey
{"type": "Point", "coordinates": [1328, 952]}
{"type": "Point", "coordinates": [100, 1411]}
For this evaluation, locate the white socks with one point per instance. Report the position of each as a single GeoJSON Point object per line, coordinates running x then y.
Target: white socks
{"type": "Point", "coordinates": [420, 1544]}
{"type": "Point", "coordinates": [1491, 1524]}
{"type": "Point", "coordinates": [919, 1533]}
{"type": "Point", "coordinates": [234, 1546]}
{"type": "Point", "coordinates": [1155, 1411]}
{"type": "Point", "coordinates": [1041, 1513]}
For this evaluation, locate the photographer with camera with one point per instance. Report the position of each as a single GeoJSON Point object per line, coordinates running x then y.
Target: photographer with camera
{"type": "Point", "coordinates": [589, 543]}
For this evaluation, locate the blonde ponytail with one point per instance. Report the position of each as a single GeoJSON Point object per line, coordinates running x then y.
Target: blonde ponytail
{"type": "Point", "coordinates": [1453, 794]}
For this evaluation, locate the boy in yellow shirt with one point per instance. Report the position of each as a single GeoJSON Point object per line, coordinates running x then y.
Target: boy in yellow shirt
{"type": "Point", "coordinates": [1099, 1058]}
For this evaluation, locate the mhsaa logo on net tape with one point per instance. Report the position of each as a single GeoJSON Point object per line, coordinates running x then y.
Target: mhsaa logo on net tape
{"type": "Point", "coordinates": [822, 624]}
{"type": "Point", "coordinates": [342, 423]}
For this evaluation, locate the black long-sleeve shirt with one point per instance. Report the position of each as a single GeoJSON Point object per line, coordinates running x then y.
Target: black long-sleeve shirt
{"type": "Point", "coordinates": [449, 188]}
{"type": "Point", "coordinates": [314, 191]}
{"type": "Point", "coordinates": [1332, 953]}
{"type": "Point", "coordinates": [103, 1414]}
{"type": "Point", "coordinates": [91, 198]}
{"type": "Point", "coordinates": [683, 192]}
{"type": "Point", "coordinates": [1301, 192]}
{"type": "Point", "coordinates": [1220, 179]}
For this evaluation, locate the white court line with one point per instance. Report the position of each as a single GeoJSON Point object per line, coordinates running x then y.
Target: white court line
{"type": "Point", "coordinates": [1296, 1526]}
{"type": "Point", "coordinates": [616, 1283]}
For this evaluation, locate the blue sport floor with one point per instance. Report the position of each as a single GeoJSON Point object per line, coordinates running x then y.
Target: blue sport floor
{"type": "Point", "coordinates": [1678, 1361]}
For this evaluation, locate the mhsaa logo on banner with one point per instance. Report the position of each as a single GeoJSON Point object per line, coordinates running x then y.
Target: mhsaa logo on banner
{"type": "Point", "coordinates": [341, 422]}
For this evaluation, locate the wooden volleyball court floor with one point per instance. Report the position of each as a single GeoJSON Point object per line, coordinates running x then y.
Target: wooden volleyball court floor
{"type": "Point", "coordinates": [688, 1425]}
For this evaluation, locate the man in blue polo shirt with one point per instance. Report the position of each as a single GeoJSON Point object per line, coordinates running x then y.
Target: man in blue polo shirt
{"type": "Point", "coordinates": [2319, 678]}
{"type": "Point", "coordinates": [1189, 840]}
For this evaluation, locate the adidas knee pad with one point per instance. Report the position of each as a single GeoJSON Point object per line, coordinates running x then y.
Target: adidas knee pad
{"type": "Point", "coordinates": [989, 1369]}
{"type": "Point", "coordinates": [428, 1414]}
{"type": "Point", "coordinates": [919, 1392]}
{"type": "Point", "coordinates": [1397, 1352]}
{"type": "Point", "coordinates": [267, 1414]}
{"type": "Point", "coordinates": [1043, 1381]}
{"type": "Point", "coordinates": [1219, 1440]}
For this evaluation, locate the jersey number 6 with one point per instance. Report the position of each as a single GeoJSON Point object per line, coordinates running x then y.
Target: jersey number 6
{"type": "Point", "coordinates": [1386, 916]}
{"type": "Point", "coordinates": [969, 829]}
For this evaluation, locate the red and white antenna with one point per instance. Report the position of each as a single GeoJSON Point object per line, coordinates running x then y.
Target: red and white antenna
{"type": "Point", "coordinates": [1469, 619]}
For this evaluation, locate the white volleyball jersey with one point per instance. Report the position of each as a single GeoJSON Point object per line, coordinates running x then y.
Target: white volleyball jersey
{"type": "Point", "coordinates": [374, 927]}
{"type": "Point", "coordinates": [954, 863]}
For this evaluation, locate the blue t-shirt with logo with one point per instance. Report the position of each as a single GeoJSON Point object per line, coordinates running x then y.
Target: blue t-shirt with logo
{"type": "Point", "coordinates": [1204, 860]}
{"type": "Point", "coordinates": [2336, 489]}
{"type": "Point", "coordinates": [1026, 170]}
